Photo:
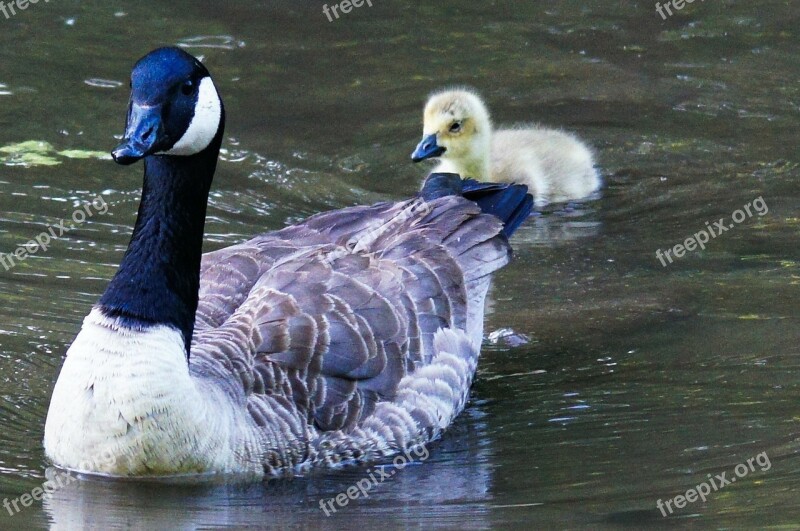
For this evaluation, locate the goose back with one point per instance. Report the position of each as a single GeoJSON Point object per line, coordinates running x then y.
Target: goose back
{"type": "Point", "coordinates": [320, 322]}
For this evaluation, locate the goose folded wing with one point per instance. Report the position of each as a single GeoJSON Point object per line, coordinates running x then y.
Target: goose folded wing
{"type": "Point", "coordinates": [332, 328]}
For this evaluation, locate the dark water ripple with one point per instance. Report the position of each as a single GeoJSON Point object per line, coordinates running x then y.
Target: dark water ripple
{"type": "Point", "coordinates": [635, 381]}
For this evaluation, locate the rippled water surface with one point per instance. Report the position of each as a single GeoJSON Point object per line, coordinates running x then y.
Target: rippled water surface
{"type": "Point", "coordinates": [637, 381]}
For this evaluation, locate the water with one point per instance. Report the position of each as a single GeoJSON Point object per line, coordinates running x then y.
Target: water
{"type": "Point", "coordinates": [638, 380]}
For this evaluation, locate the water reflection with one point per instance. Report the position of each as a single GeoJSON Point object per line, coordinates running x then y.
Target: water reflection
{"type": "Point", "coordinates": [624, 382]}
{"type": "Point", "coordinates": [456, 477]}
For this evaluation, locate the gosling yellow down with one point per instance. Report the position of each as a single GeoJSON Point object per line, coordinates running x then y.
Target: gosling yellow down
{"type": "Point", "coordinates": [555, 165]}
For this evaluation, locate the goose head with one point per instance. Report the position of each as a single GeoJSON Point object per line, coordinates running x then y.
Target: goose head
{"type": "Point", "coordinates": [457, 130]}
{"type": "Point", "coordinates": [175, 122]}
{"type": "Point", "coordinates": [174, 108]}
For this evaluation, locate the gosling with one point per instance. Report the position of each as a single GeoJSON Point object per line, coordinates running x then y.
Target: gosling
{"type": "Point", "coordinates": [556, 166]}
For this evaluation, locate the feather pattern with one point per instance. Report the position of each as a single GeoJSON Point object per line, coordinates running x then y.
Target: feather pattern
{"type": "Point", "coordinates": [349, 336]}
{"type": "Point", "coordinates": [345, 338]}
{"type": "Point", "coordinates": [353, 325]}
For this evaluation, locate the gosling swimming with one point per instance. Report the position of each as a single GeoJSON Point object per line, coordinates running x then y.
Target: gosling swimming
{"type": "Point", "coordinates": [555, 165]}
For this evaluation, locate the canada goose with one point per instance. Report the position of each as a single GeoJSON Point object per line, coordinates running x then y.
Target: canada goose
{"type": "Point", "coordinates": [457, 129]}
{"type": "Point", "coordinates": [350, 336]}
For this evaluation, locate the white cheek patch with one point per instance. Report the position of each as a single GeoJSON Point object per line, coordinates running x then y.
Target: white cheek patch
{"type": "Point", "coordinates": [205, 123]}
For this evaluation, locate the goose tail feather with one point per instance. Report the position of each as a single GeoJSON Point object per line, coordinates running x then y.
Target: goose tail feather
{"type": "Point", "coordinates": [427, 400]}
{"type": "Point", "coordinates": [510, 202]}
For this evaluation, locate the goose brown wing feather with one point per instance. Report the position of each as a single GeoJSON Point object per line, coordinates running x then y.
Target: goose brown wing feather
{"type": "Point", "coordinates": [331, 314]}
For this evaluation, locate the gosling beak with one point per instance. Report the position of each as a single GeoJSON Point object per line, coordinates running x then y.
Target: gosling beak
{"type": "Point", "coordinates": [142, 134]}
{"type": "Point", "coordinates": [427, 149]}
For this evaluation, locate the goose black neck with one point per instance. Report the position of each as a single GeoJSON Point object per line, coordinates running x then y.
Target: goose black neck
{"type": "Point", "coordinates": [159, 278]}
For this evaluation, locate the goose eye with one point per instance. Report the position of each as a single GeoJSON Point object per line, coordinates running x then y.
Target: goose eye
{"type": "Point", "coordinates": [188, 88]}
{"type": "Point", "coordinates": [456, 127]}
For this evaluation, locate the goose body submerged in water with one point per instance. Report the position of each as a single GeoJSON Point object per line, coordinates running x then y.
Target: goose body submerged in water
{"type": "Point", "coordinates": [555, 165]}
{"type": "Point", "coordinates": [348, 337]}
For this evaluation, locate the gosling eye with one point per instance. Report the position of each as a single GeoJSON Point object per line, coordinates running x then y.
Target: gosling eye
{"type": "Point", "coordinates": [456, 127]}
{"type": "Point", "coordinates": [188, 88]}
